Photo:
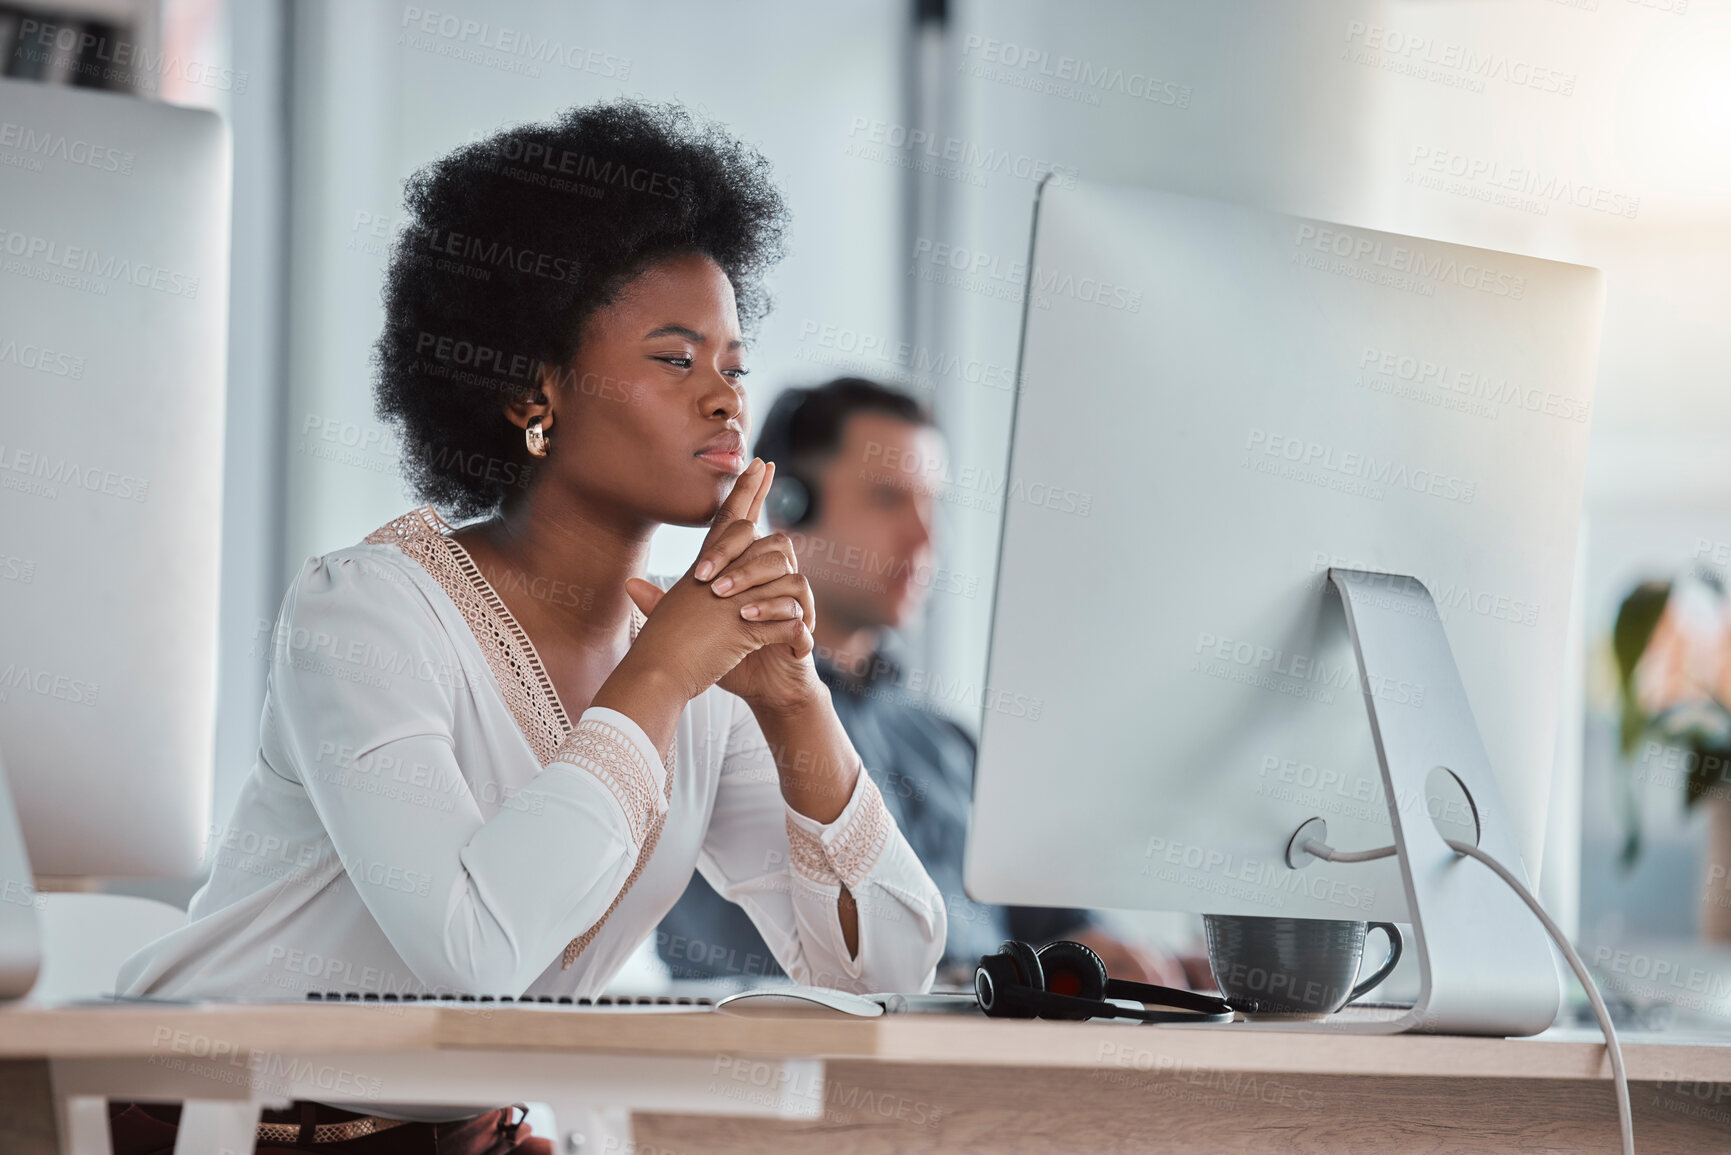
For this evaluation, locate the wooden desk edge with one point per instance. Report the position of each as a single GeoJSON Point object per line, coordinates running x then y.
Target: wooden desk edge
{"type": "Point", "coordinates": [145, 1031]}
{"type": "Point", "coordinates": [1132, 1048]}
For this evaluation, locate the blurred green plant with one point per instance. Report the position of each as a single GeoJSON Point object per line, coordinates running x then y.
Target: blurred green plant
{"type": "Point", "coordinates": [1669, 671]}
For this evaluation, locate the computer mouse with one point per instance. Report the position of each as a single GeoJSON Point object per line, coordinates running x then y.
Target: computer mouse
{"type": "Point", "coordinates": [799, 1002]}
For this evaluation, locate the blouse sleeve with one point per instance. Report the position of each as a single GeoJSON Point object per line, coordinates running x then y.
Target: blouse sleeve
{"type": "Point", "coordinates": [787, 870]}
{"type": "Point", "coordinates": [361, 670]}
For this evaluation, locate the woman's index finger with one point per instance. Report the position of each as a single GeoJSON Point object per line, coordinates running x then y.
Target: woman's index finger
{"type": "Point", "coordinates": [763, 485]}
{"type": "Point", "coordinates": [738, 501]}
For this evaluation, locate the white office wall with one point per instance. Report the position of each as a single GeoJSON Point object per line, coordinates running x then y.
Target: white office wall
{"type": "Point", "coordinates": [1285, 104]}
{"type": "Point", "coordinates": [252, 468]}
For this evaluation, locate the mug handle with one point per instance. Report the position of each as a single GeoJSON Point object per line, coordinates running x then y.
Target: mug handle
{"type": "Point", "coordinates": [1388, 964]}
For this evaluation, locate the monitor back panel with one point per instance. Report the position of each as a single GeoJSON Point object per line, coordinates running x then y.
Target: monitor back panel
{"type": "Point", "coordinates": [1217, 404]}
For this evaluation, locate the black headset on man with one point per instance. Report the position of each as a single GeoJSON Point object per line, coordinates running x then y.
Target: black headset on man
{"type": "Point", "coordinates": [1061, 980]}
{"type": "Point", "coordinates": [793, 497]}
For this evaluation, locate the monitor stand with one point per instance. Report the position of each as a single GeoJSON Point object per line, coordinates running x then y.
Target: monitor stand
{"type": "Point", "coordinates": [1485, 963]}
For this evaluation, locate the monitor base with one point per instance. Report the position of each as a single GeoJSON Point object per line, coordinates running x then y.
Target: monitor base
{"type": "Point", "coordinates": [1485, 963]}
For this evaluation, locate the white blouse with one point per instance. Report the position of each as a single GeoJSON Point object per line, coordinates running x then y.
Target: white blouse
{"type": "Point", "coordinates": [423, 817]}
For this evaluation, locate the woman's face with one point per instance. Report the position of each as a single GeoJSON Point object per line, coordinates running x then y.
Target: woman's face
{"type": "Point", "coordinates": [649, 416]}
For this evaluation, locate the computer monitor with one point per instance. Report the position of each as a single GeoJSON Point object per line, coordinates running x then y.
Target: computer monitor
{"type": "Point", "coordinates": [1232, 402]}
{"type": "Point", "coordinates": [114, 240]}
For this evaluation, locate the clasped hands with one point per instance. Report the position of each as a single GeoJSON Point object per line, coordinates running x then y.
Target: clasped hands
{"type": "Point", "coordinates": [741, 616]}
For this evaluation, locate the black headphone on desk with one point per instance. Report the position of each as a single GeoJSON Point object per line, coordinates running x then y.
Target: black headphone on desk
{"type": "Point", "coordinates": [1066, 980]}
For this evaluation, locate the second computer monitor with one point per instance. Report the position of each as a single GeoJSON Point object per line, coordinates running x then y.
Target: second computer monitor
{"type": "Point", "coordinates": [1243, 399]}
{"type": "Point", "coordinates": [113, 353]}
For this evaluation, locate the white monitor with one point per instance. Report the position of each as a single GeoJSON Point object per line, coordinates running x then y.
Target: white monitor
{"type": "Point", "coordinates": [114, 239]}
{"type": "Point", "coordinates": [1236, 401]}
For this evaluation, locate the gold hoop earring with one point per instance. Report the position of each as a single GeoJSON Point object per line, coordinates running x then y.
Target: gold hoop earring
{"type": "Point", "coordinates": [536, 437]}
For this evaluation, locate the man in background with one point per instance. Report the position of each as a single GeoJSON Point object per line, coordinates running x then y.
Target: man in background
{"type": "Point", "coordinates": [858, 469]}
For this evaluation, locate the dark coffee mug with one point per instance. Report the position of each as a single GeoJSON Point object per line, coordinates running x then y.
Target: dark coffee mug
{"type": "Point", "coordinates": [1292, 965]}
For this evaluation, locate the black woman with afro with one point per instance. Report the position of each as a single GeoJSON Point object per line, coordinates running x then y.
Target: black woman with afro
{"type": "Point", "coordinates": [493, 750]}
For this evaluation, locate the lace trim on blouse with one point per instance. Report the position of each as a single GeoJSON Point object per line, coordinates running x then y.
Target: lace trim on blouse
{"type": "Point", "coordinates": [601, 749]}
{"type": "Point", "coordinates": [422, 535]}
{"type": "Point", "coordinates": [852, 851]}
{"type": "Point", "coordinates": [855, 850]}
{"type": "Point", "coordinates": [807, 855]}
{"type": "Point", "coordinates": [605, 751]}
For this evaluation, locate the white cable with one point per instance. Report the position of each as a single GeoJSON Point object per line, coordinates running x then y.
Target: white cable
{"type": "Point", "coordinates": [1329, 854]}
{"type": "Point", "coordinates": [1625, 1121]}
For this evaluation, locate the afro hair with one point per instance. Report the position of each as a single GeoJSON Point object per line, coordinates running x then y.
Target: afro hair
{"type": "Point", "coordinates": [509, 246]}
